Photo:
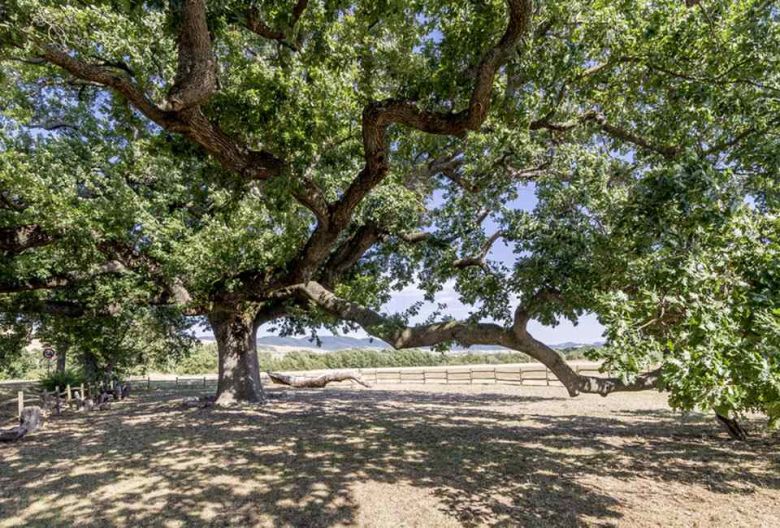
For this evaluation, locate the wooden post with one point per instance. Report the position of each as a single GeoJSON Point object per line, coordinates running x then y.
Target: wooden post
{"type": "Point", "coordinates": [520, 371]}
{"type": "Point", "coordinates": [68, 393]}
{"type": "Point", "coordinates": [82, 393]}
{"type": "Point", "coordinates": [148, 382]}
{"type": "Point", "coordinates": [547, 375]}
{"type": "Point", "coordinates": [20, 396]}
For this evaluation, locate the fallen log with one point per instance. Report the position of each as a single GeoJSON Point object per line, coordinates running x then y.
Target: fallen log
{"type": "Point", "coordinates": [314, 382]}
{"type": "Point", "coordinates": [30, 421]}
{"type": "Point", "coordinates": [199, 402]}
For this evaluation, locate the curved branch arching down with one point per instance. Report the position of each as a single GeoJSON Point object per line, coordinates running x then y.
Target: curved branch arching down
{"type": "Point", "coordinates": [467, 333]}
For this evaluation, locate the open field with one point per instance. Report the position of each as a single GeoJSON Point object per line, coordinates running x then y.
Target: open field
{"type": "Point", "coordinates": [402, 455]}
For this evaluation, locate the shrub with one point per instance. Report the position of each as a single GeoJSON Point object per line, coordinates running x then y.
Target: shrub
{"type": "Point", "coordinates": [51, 380]}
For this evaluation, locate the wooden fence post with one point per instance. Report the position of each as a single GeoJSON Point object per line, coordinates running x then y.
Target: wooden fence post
{"type": "Point", "coordinates": [20, 396]}
{"type": "Point", "coordinates": [547, 375]}
{"type": "Point", "coordinates": [57, 400]}
{"type": "Point", "coordinates": [68, 393]}
{"type": "Point", "coordinates": [82, 393]}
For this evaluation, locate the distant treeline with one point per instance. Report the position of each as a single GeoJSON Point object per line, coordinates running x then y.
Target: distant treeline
{"type": "Point", "coordinates": [204, 359]}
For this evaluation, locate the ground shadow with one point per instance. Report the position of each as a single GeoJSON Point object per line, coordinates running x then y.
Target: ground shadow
{"type": "Point", "coordinates": [489, 459]}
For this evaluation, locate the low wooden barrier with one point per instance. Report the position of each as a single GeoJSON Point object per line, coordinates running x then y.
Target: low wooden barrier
{"type": "Point", "coordinates": [514, 374]}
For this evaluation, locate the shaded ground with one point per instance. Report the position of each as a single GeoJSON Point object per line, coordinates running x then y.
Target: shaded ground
{"type": "Point", "coordinates": [391, 456]}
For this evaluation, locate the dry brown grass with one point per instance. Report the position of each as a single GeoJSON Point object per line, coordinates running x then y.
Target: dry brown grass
{"type": "Point", "coordinates": [391, 456]}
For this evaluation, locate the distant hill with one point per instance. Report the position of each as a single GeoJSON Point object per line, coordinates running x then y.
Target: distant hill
{"type": "Point", "coordinates": [333, 343]}
{"type": "Point", "coordinates": [328, 343]}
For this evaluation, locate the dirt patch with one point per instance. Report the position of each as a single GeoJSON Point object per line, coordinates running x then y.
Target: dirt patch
{"type": "Point", "coordinates": [408, 455]}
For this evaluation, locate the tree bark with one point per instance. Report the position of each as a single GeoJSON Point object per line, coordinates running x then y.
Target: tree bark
{"type": "Point", "coordinates": [239, 369]}
{"type": "Point", "coordinates": [732, 427]}
{"type": "Point", "coordinates": [90, 364]}
{"type": "Point", "coordinates": [314, 382]}
{"type": "Point", "coordinates": [62, 352]}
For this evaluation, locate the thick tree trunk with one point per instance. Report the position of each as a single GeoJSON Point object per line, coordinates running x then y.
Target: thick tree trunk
{"type": "Point", "coordinates": [90, 365]}
{"type": "Point", "coordinates": [239, 370]}
{"type": "Point", "coordinates": [61, 359]}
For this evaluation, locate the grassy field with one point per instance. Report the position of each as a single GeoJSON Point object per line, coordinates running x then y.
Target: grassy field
{"type": "Point", "coordinates": [393, 456]}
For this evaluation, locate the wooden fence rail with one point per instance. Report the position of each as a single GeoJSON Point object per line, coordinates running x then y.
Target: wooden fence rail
{"type": "Point", "coordinates": [517, 374]}
{"type": "Point", "coordinates": [509, 374]}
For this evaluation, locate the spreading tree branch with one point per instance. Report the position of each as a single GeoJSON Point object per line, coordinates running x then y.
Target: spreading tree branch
{"type": "Point", "coordinates": [467, 333]}
{"type": "Point", "coordinates": [17, 239]}
{"type": "Point", "coordinates": [617, 132]}
{"type": "Point", "coordinates": [256, 25]}
{"type": "Point", "coordinates": [479, 259]}
{"type": "Point", "coordinates": [379, 115]}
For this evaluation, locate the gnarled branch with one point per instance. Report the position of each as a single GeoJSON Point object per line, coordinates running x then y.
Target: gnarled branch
{"type": "Point", "coordinates": [379, 115]}
{"type": "Point", "coordinates": [256, 25]}
{"type": "Point", "coordinates": [196, 74]}
{"type": "Point", "coordinates": [15, 240]}
{"type": "Point", "coordinates": [467, 333]}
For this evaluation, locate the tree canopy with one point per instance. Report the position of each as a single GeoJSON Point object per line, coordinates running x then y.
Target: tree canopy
{"type": "Point", "coordinates": [301, 162]}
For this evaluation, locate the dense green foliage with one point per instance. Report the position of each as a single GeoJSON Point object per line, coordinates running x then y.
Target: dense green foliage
{"type": "Point", "coordinates": [53, 379]}
{"type": "Point", "coordinates": [644, 132]}
{"type": "Point", "coordinates": [204, 360]}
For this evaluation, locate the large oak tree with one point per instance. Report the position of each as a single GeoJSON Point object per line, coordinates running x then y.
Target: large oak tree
{"type": "Point", "coordinates": [299, 162]}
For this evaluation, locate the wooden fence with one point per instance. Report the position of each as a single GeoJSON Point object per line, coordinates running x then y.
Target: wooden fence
{"type": "Point", "coordinates": [515, 374]}
{"type": "Point", "coordinates": [519, 374]}
{"type": "Point", "coordinates": [499, 374]}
